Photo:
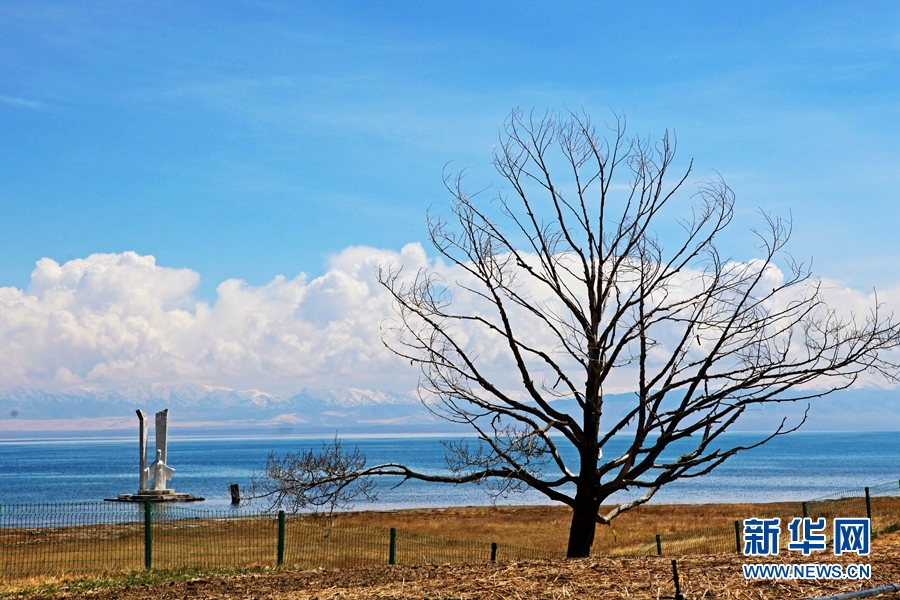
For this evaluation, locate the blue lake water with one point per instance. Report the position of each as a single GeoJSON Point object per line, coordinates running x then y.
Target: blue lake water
{"type": "Point", "coordinates": [800, 466]}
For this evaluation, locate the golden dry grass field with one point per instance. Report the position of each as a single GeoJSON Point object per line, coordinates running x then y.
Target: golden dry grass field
{"type": "Point", "coordinates": [250, 544]}
{"type": "Point", "coordinates": [703, 577]}
{"type": "Point", "coordinates": [548, 526]}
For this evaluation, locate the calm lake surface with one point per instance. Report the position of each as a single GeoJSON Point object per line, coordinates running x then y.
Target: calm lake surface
{"type": "Point", "coordinates": [800, 466]}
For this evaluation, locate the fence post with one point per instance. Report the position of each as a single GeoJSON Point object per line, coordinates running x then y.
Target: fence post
{"type": "Point", "coordinates": [280, 537]}
{"type": "Point", "coordinates": [737, 537]}
{"type": "Point", "coordinates": [392, 555]}
{"type": "Point", "coordinates": [805, 512]}
{"type": "Point", "coordinates": [659, 544]}
{"type": "Point", "coordinates": [493, 551]}
{"type": "Point", "coordinates": [868, 505]}
{"type": "Point", "coordinates": [148, 535]}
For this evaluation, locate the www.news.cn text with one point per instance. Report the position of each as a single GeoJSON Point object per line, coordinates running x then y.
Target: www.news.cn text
{"type": "Point", "coordinates": [807, 571]}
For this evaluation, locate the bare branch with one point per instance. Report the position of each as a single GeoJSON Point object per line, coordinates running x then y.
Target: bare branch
{"type": "Point", "coordinates": [569, 291]}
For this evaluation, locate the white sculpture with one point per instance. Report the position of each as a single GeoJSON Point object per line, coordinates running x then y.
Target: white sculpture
{"type": "Point", "coordinates": [142, 447]}
{"type": "Point", "coordinates": [162, 428]}
{"type": "Point", "coordinates": [159, 471]}
{"type": "Point", "coordinates": [154, 477]}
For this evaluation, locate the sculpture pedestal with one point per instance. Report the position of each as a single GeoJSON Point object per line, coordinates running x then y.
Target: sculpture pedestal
{"type": "Point", "coordinates": [155, 496]}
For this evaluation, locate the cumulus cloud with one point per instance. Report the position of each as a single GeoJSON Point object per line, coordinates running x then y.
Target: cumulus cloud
{"type": "Point", "coordinates": [113, 318]}
{"type": "Point", "coordinates": [118, 318]}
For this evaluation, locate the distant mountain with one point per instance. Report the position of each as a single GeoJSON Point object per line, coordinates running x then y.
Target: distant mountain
{"type": "Point", "coordinates": [349, 410]}
{"type": "Point", "coordinates": [86, 402]}
{"type": "Point", "coordinates": [192, 398]}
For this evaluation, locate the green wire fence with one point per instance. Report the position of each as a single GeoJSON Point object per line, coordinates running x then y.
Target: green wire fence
{"type": "Point", "coordinates": [99, 537]}
{"type": "Point", "coordinates": [880, 503]}
{"type": "Point", "coordinates": [102, 537]}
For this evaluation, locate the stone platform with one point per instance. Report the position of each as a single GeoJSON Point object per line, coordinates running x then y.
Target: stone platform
{"type": "Point", "coordinates": [155, 496]}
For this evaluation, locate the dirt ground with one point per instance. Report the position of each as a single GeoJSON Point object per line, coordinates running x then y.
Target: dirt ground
{"type": "Point", "coordinates": [702, 576]}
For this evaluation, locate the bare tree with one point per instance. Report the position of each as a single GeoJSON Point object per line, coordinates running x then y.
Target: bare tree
{"type": "Point", "coordinates": [314, 480]}
{"type": "Point", "coordinates": [574, 281]}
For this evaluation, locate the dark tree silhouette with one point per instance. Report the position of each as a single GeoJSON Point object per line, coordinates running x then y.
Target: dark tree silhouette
{"type": "Point", "coordinates": [570, 275]}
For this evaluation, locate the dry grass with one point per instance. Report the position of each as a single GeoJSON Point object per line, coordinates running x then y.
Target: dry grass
{"type": "Point", "coordinates": [703, 577]}
{"type": "Point", "coordinates": [315, 542]}
{"type": "Point", "coordinates": [548, 526]}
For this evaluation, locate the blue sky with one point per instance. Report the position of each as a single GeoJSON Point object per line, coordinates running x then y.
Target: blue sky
{"type": "Point", "coordinates": [251, 140]}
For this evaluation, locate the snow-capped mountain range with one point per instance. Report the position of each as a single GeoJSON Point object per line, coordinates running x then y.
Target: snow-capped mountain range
{"type": "Point", "coordinates": [200, 406]}
{"type": "Point", "coordinates": [349, 410]}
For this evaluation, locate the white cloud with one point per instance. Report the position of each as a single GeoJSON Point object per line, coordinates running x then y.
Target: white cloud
{"type": "Point", "coordinates": [121, 318]}
{"type": "Point", "coordinates": [114, 318]}
{"type": "Point", "coordinates": [21, 102]}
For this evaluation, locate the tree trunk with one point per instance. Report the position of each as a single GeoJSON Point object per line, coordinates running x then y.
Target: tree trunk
{"type": "Point", "coordinates": [587, 501]}
{"type": "Point", "coordinates": [584, 524]}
